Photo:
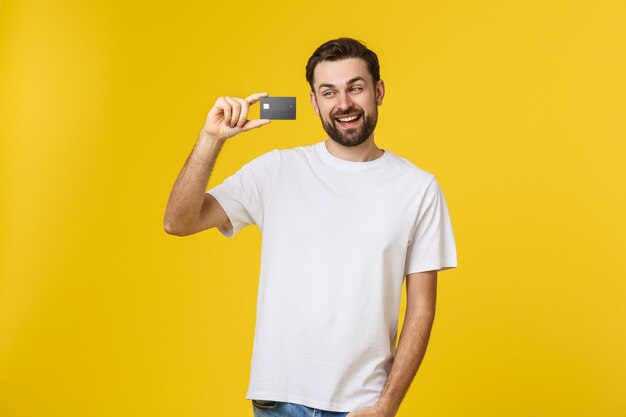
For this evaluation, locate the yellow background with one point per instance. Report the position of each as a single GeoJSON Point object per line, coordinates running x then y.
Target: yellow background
{"type": "Point", "coordinates": [517, 107]}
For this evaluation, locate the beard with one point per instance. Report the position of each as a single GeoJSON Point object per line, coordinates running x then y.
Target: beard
{"type": "Point", "coordinates": [352, 136]}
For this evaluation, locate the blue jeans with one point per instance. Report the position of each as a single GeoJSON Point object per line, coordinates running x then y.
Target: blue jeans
{"type": "Point", "coordinates": [264, 408]}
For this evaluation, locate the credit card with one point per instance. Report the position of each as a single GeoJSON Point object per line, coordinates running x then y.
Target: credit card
{"type": "Point", "coordinates": [278, 108]}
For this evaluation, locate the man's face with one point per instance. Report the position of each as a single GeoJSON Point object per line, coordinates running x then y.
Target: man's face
{"type": "Point", "coordinates": [346, 100]}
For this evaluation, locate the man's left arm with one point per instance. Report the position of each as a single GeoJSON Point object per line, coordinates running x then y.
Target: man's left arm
{"type": "Point", "coordinates": [421, 292]}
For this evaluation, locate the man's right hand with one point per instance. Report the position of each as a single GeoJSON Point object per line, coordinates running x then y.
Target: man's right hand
{"type": "Point", "coordinates": [229, 117]}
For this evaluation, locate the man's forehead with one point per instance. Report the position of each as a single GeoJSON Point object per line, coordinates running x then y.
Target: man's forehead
{"type": "Point", "coordinates": [340, 72]}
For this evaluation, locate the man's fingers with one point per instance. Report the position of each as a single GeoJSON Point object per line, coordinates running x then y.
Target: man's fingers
{"type": "Point", "coordinates": [236, 111]}
{"type": "Point", "coordinates": [252, 124]}
{"type": "Point", "coordinates": [229, 115]}
{"type": "Point", "coordinates": [243, 116]}
{"type": "Point", "coordinates": [223, 105]}
{"type": "Point", "coordinates": [251, 99]}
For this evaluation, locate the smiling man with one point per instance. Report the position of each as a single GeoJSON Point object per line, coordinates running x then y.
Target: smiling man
{"type": "Point", "coordinates": [344, 224]}
{"type": "Point", "coordinates": [348, 109]}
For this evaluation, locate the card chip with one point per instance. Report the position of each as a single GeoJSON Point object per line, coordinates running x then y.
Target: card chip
{"type": "Point", "coordinates": [266, 106]}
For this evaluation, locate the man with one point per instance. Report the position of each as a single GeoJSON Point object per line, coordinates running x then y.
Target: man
{"type": "Point", "coordinates": [343, 223]}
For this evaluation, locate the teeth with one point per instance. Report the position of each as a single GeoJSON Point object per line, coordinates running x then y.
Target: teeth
{"type": "Point", "coordinates": [348, 119]}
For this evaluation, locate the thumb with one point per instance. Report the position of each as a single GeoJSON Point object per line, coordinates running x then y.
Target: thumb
{"type": "Point", "coordinates": [252, 124]}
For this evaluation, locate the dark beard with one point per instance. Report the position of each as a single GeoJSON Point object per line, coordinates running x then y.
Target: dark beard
{"type": "Point", "coordinates": [353, 136]}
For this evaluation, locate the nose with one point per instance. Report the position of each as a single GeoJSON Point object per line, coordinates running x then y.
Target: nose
{"type": "Point", "coordinates": [344, 101]}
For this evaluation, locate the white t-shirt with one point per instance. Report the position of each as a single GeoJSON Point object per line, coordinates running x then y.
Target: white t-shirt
{"type": "Point", "coordinates": [338, 238]}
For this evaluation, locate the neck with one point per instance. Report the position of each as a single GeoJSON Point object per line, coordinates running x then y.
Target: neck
{"type": "Point", "coordinates": [367, 151]}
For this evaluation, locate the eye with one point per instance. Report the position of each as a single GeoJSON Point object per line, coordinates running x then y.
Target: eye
{"type": "Point", "coordinates": [356, 88]}
{"type": "Point", "coordinates": [328, 93]}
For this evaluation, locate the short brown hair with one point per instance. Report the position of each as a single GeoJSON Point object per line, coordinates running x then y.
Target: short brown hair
{"type": "Point", "coordinates": [343, 48]}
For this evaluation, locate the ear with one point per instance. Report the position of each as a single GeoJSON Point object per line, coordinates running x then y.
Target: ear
{"type": "Point", "coordinates": [380, 92]}
{"type": "Point", "coordinates": [314, 102]}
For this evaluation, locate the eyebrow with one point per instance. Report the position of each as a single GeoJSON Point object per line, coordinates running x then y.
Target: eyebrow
{"type": "Point", "coordinates": [351, 81]}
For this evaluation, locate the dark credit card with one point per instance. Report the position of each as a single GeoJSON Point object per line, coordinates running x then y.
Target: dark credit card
{"type": "Point", "coordinates": [278, 108]}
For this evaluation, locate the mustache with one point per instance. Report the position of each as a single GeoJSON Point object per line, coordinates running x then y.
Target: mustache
{"type": "Point", "coordinates": [346, 112]}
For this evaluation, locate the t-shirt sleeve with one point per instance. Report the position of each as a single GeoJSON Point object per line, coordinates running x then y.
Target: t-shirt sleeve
{"type": "Point", "coordinates": [242, 194]}
{"type": "Point", "coordinates": [432, 245]}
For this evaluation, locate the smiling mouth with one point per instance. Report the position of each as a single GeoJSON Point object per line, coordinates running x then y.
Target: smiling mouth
{"type": "Point", "coordinates": [348, 120]}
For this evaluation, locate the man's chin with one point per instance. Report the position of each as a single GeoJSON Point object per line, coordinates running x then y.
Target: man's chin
{"type": "Point", "coordinates": [352, 136]}
{"type": "Point", "coordinates": [349, 142]}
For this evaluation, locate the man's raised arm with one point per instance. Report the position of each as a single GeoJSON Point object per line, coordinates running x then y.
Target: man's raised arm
{"type": "Point", "coordinates": [190, 209]}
